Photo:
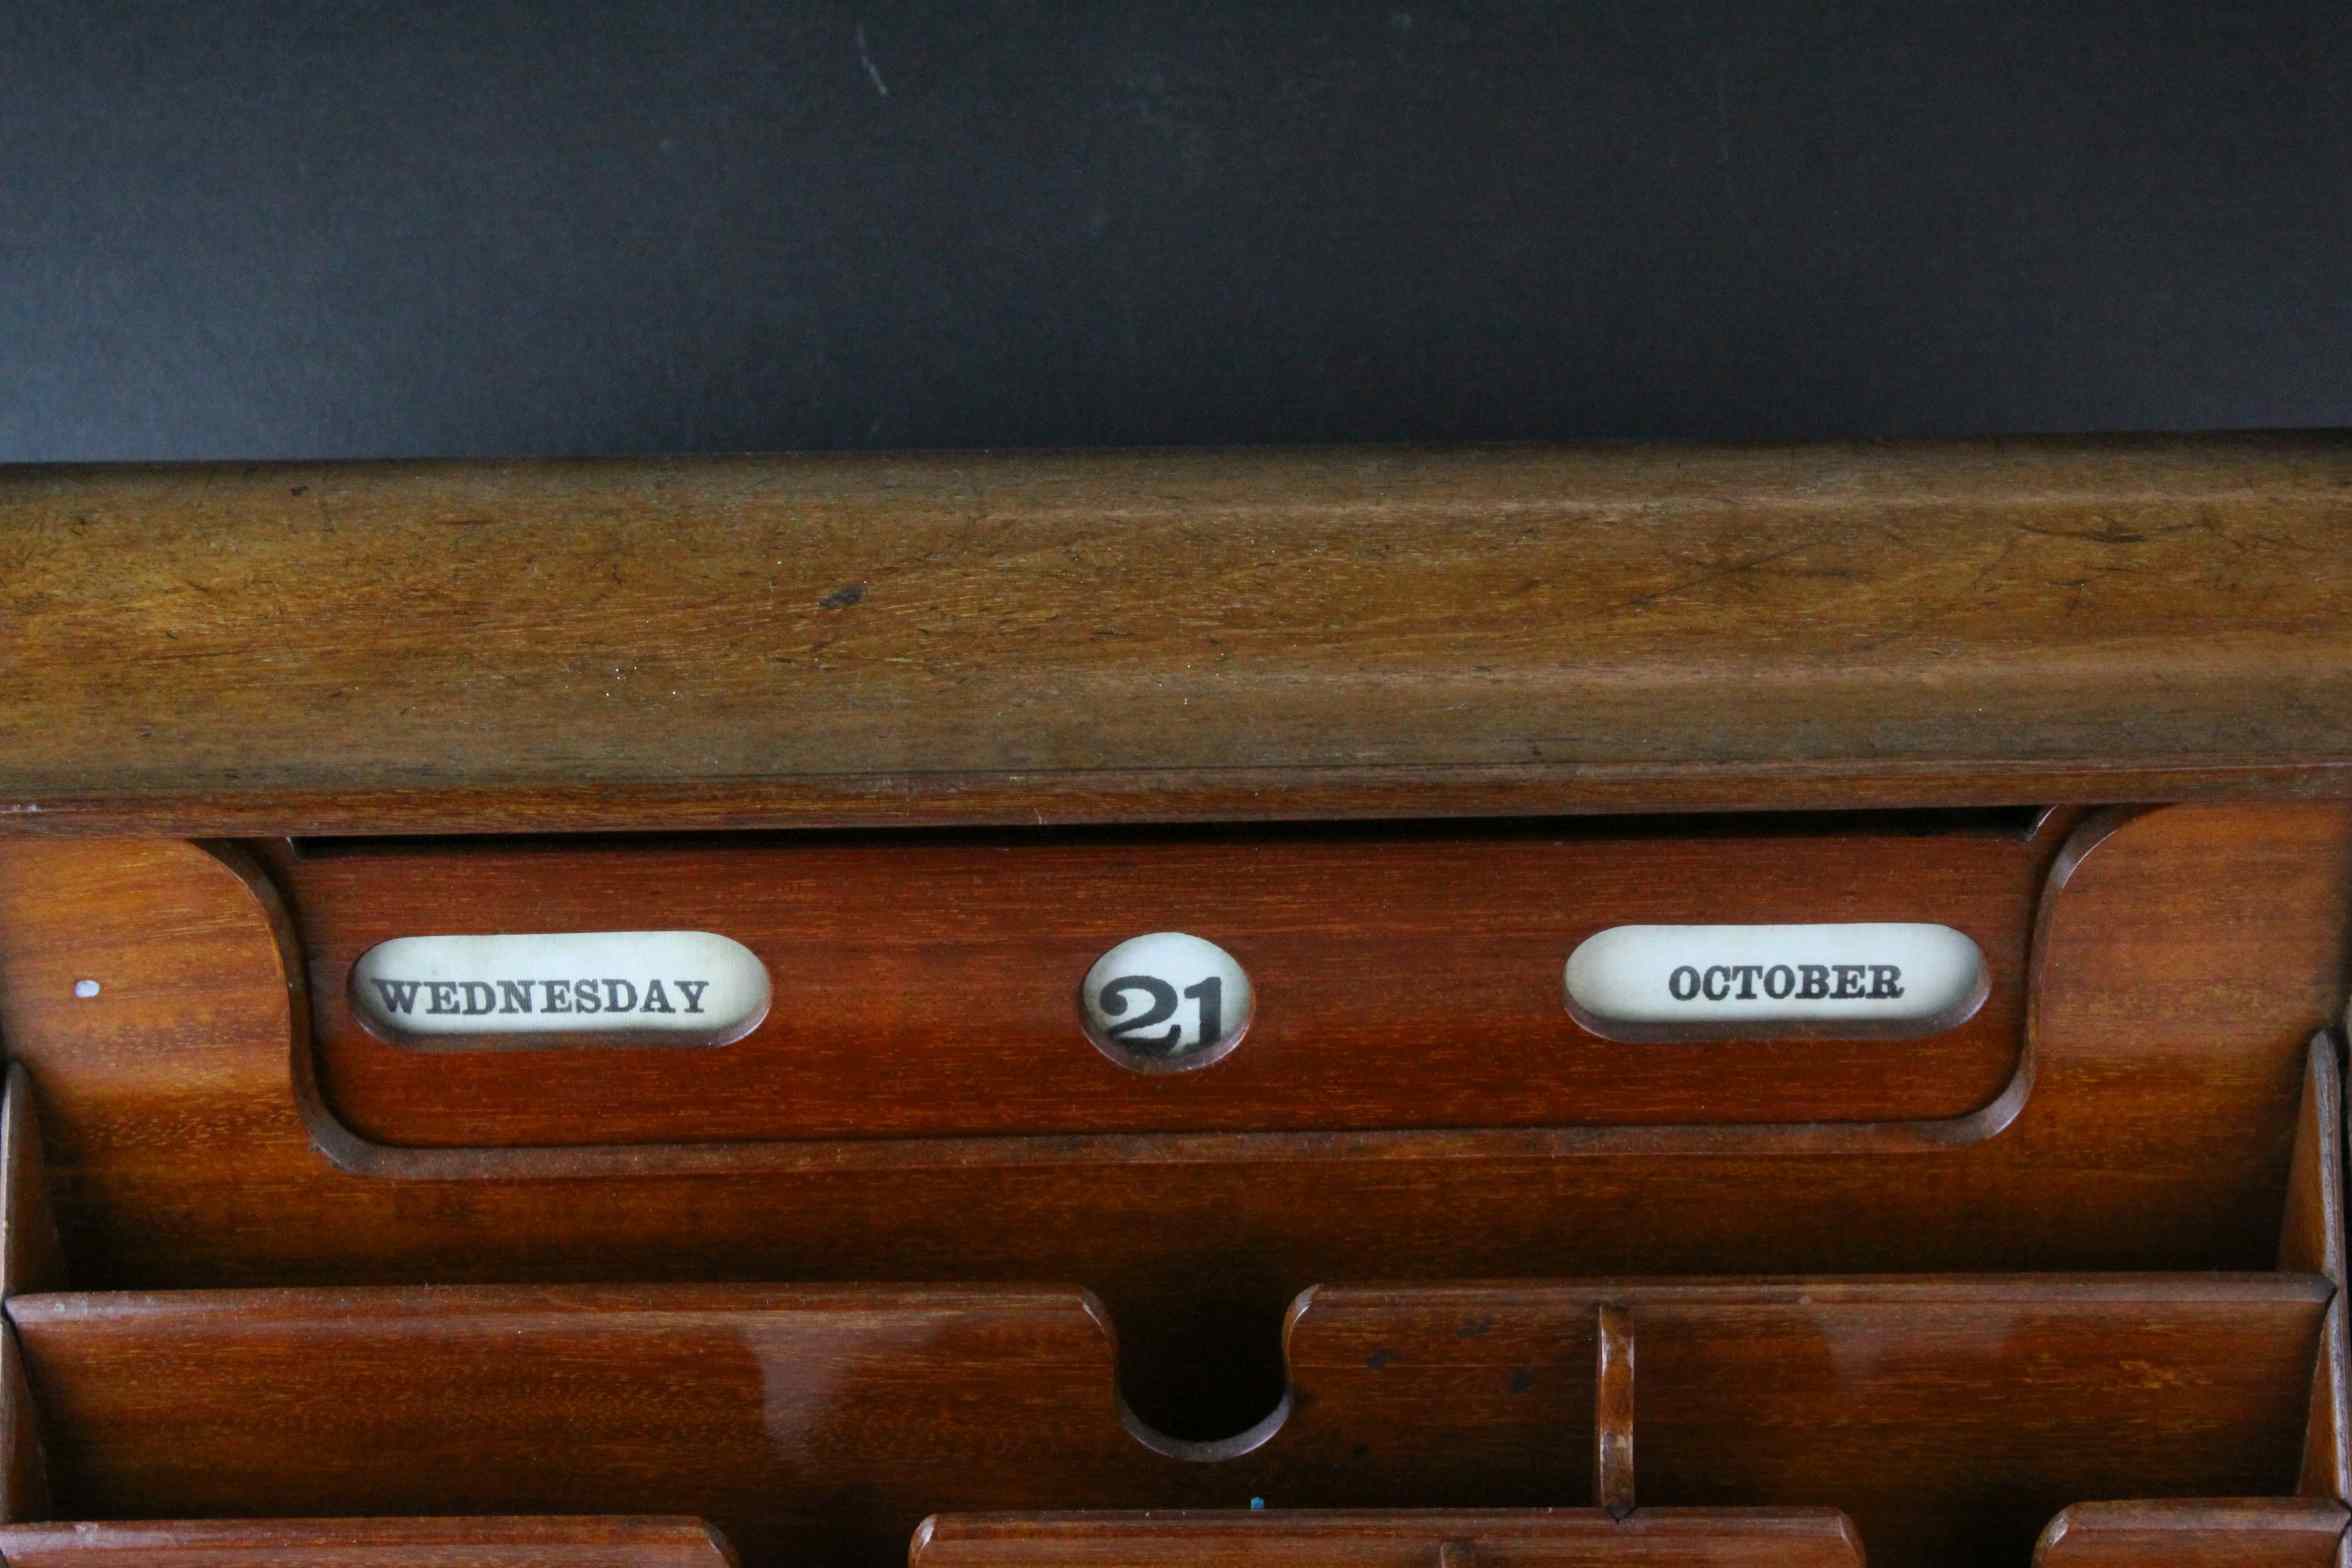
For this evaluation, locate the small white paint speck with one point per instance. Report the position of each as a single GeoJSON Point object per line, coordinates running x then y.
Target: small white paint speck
{"type": "Point", "coordinates": [866, 59]}
{"type": "Point", "coordinates": [85, 989]}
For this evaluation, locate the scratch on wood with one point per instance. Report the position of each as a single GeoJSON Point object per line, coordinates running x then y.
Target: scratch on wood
{"type": "Point", "coordinates": [1643, 601]}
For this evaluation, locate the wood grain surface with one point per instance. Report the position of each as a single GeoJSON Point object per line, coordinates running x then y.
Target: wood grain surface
{"type": "Point", "coordinates": [1406, 978]}
{"type": "Point", "coordinates": [2311, 1240]}
{"type": "Point", "coordinates": [1270, 1538]}
{"type": "Point", "coordinates": [1947, 1417]}
{"type": "Point", "coordinates": [1012, 639]}
{"type": "Point", "coordinates": [581, 1542]}
{"type": "Point", "coordinates": [31, 1258]}
{"type": "Point", "coordinates": [2185, 960]}
{"type": "Point", "coordinates": [24, 1460]}
{"type": "Point", "coordinates": [1614, 1409]}
{"type": "Point", "coordinates": [1942, 1415]}
{"type": "Point", "coordinates": [2195, 1533]}
{"type": "Point", "coordinates": [31, 1255]}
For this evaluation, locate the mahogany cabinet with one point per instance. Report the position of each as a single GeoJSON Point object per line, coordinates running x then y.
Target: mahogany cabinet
{"type": "Point", "coordinates": [1720, 1006]}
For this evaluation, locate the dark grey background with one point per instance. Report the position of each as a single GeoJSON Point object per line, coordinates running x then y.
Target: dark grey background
{"type": "Point", "coordinates": [278, 229]}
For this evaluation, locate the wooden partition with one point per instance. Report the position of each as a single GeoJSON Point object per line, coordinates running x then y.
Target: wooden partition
{"type": "Point", "coordinates": [927, 639]}
{"type": "Point", "coordinates": [1948, 1417]}
{"type": "Point", "coordinates": [1534, 1538]}
{"type": "Point", "coordinates": [2241, 1533]}
{"type": "Point", "coordinates": [1945, 1416]}
{"type": "Point", "coordinates": [582, 1542]}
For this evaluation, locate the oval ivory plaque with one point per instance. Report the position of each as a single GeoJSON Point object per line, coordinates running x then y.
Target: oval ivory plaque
{"type": "Point", "coordinates": [1698, 982]}
{"type": "Point", "coordinates": [444, 993]}
{"type": "Point", "coordinates": [1166, 1002]}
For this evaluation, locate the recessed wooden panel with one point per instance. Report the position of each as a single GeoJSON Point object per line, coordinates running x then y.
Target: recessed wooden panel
{"type": "Point", "coordinates": [1943, 1416]}
{"type": "Point", "coordinates": [1405, 978]}
{"type": "Point", "coordinates": [1949, 1418]}
{"type": "Point", "coordinates": [2267, 1532]}
{"type": "Point", "coordinates": [1533, 1538]}
{"type": "Point", "coordinates": [368, 1543]}
{"type": "Point", "coordinates": [807, 1423]}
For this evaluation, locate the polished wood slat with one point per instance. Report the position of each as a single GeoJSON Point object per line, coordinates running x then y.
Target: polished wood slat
{"type": "Point", "coordinates": [926, 986]}
{"type": "Point", "coordinates": [807, 1423]}
{"type": "Point", "coordinates": [1613, 1412]}
{"type": "Point", "coordinates": [2195, 1533]}
{"type": "Point", "coordinates": [1534, 1538]}
{"type": "Point", "coordinates": [827, 640]}
{"type": "Point", "coordinates": [2311, 1240]}
{"type": "Point", "coordinates": [370, 1543]}
{"type": "Point", "coordinates": [2185, 957]}
{"type": "Point", "coordinates": [1949, 1418]}
{"type": "Point", "coordinates": [31, 1256]}
{"type": "Point", "coordinates": [24, 1460]}
{"type": "Point", "coordinates": [30, 1259]}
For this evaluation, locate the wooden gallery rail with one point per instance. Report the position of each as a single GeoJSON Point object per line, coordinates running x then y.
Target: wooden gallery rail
{"type": "Point", "coordinates": [1528, 1007]}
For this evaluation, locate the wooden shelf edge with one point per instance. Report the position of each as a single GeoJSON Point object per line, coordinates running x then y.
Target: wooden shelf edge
{"type": "Point", "coordinates": [1056, 638]}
